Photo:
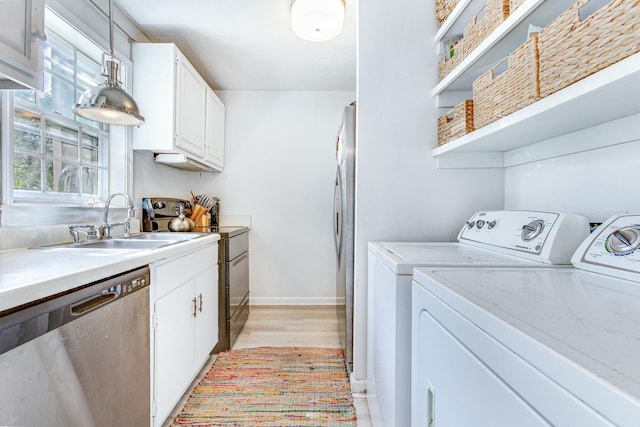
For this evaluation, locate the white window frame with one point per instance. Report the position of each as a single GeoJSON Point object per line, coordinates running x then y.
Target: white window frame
{"type": "Point", "coordinates": [18, 210]}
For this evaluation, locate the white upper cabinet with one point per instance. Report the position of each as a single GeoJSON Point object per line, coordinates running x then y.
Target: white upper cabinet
{"type": "Point", "coordinates": [191, 92]}
{"type": "Point", "coordinates": [214, 140]}
{"type": "Point", "coordinates": [21, 38]}
{"type": "Point", "coordinates": [602, 97]}
{"type": "Point", "coordinates": [174, 98]}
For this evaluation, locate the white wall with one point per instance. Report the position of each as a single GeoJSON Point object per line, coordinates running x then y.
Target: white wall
{"type": "Point", "coordinates": [151, 179]}
{"type": "Point", "coordinates": [400, 193]}
{"type": "Point", "coordinates": [280, 169]}
{"type": "Point", "coordinates": [596, 183]}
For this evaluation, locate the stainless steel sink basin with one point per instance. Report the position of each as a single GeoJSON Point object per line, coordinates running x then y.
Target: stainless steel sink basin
{"type": "Point", "coordinates": [134, 242]}
{"type": "Point", "coordinates": [175, 237]}
{"type": "Point", "coordinates": [124, 244]}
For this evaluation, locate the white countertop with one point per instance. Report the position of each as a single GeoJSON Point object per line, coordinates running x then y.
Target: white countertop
{"type": "Point", "coordinates": [27, 275]}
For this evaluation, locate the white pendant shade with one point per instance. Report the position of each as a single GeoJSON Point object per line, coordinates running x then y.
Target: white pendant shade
{"type": "Point", "coordinates": [317, 20]}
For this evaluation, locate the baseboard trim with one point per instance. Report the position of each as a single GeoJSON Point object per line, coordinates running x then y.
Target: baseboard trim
{"type": "Point", "coordinates": [284, 301]}
{"type": "Point", "coordinates": [357, 386]}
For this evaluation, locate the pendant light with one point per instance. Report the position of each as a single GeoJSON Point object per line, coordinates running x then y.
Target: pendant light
{"type": "Point", "coordinates": [317, 20]}
{"type": "Point", "coordinates": [108, 102]}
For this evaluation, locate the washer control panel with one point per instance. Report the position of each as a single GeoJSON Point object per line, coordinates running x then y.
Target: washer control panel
{"type": "Point", "coordinates": [538, 235]}
{"type": "Point", "coordinates": [518, 230]}
{"type": "Point", "coordinates": [613, 248]}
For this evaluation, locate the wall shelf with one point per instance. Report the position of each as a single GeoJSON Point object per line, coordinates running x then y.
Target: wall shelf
{"type": "Point", "coordinates": [608, 95]}
{"type": "Point", "coordinates": [502, 41]}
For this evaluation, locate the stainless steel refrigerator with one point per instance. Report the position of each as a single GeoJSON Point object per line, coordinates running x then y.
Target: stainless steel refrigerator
{"type": "Point", "coordinates": [343, 227]}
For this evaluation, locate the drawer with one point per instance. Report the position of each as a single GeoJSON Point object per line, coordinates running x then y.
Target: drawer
{"type": "Point", "coordinates": [236, 245]}
{"type": "Point", "coordinates": [168, 276]}
{"type": "Point", "coordinates": [237, 279]}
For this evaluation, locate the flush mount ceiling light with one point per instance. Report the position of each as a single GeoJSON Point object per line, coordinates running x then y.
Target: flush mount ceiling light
{"type": "Point", "coordinates": [108, 102]}
{"type": "Point", "coordinates": [317, 20]}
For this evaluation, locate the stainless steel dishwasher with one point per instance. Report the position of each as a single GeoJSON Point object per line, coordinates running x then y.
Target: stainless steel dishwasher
{"type": "Point", "coordinates": [79, 359]}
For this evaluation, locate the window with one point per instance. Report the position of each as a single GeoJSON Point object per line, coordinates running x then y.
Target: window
{"type": "Point", "coordinates": [54, 157]}
{"type": "Point", "coordinates": [58, 157]}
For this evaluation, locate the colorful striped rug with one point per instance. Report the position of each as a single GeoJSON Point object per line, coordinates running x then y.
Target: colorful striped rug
{"type": "Point", "coordinates": [272, 386]}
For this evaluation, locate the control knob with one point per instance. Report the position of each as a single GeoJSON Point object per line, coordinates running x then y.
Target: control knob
{"type": "Point", "coordinates": [470, 224]}
{"type": "Point", "coordinates": [623, 240]}
{"type": "Point", "coordinates": [532, 230]}
{"type": "Point", "coordinates": [480, 223]}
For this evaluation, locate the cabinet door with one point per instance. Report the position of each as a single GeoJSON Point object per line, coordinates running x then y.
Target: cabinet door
{"type": "Point", "coordinates": [21, 37]}
{"type": "Point", "coordinates": [206, 321]}
{"type": "Point", "coordinates": [215, 131]}
{"type": "Point", "coordinates": [191, 91]}
{"type": "Point", "coordinates": [173, 367]}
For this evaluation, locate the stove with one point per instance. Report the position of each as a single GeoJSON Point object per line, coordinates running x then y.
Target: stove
{"type": "Point", "coordinates": [233, 263]}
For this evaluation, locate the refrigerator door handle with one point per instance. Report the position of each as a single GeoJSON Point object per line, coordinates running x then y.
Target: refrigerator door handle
{"type": "Point", "coordinates": [337, 213]}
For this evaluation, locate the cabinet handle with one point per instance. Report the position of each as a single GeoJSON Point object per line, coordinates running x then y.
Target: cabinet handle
{"type": "Point", "coordinates": [39, 34]}
{"type": "Point", "coordinates": [200, 309]}
{"type": "Point", "coordinates": [195, 307]}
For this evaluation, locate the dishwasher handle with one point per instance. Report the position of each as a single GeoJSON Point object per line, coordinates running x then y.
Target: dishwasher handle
{"type": "Point", "coordinates": [86, 305]}
{"type": "Point", "coordinates": [28, 322]}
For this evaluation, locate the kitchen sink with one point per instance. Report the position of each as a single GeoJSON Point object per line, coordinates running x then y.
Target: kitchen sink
{"type": "Point", "coordinates": [175, 237]}
{"type": "Point", "coordinates": [124, 244]}
{"type": "Point", "coordinates": [134, 242]}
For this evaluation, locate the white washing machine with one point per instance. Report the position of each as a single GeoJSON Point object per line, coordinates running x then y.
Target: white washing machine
{"type": "Point", "coordinates": [489, 238]}
{"type": "Point", "coordinates": [502, 347]}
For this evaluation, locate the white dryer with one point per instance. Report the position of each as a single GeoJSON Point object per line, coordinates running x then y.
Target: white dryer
{"type": "Point", "coordinates": [489, 238]}
{"type": "Point", "coordinates": [532, 347]}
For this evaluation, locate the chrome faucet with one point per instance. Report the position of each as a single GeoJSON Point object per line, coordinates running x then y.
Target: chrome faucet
{"type": "Point", "coordinates": [105, 228]}
{"type": "Point", "coordinates": [90, 229]}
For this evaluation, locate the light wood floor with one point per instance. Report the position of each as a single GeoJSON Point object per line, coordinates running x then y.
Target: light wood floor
{"type": "Point", "coordinates": [283, 326]}
{"type": "Point", "coordinates": [280, 326]}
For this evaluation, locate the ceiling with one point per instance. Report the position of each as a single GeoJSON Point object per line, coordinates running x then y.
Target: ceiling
{"type": "Point", "coordinates": [249, 44]}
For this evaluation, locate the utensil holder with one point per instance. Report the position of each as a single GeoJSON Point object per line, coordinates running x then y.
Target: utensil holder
{"type": "Point", "coordinates": [199, 212]}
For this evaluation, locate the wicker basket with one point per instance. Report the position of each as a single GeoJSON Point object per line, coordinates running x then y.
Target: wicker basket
{"type": "Point", "coordinates": [514, 5]}
{"type": "Point", "coordinates": [495, 12]}
{"type": "Point", "coordinates": [444, 9]}
{"type": "Point", "coordinates": [447, 64]}
{"type": "Point", "coordinates": [457, 122]}
{"type": "Point", "coordinates": [495, 96]}
{"type": "Point", "coordinates": [572, 49]}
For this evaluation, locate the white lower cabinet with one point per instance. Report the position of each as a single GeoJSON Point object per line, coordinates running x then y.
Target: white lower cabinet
{"type": "Point", "coordinates": [184, 325]}
{"type": "Point", "coordinates": [206, 318]}
{"type": "Point", "coordinates": [174, 336]}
